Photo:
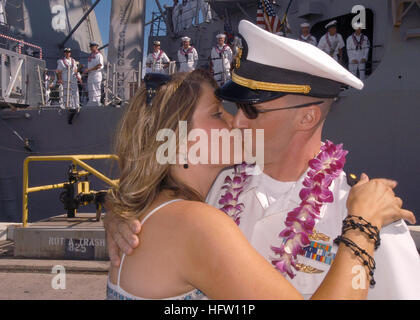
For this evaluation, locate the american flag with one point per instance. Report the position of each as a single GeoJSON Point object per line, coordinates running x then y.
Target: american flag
{"type": "Point", "coordinates": [267, 17]}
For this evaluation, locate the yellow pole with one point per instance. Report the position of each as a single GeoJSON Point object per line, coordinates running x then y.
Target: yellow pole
{"type": "Point", "coordinates": [95, 173]}
{"type": "Point", "coordinates": [25, 193]}
{"type": "Point", "coordinates": [76, 159]}
{"type": "Point", "coordinates": [46, 187]}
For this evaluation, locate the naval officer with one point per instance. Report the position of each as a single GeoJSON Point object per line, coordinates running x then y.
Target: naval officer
{"type": "Point", "coordinates": [187, 56]}
{"type": "Point", "coordinates": [290, 99]}
{"type": "Point", "coordinates": [68, 77]}
{"type": "Point", "coordinates": [358, 51]}
{"type": "Point", "coordinates": [157, 60]}
{"type": "Point", "coordinates": [332, 42]}
{"type": "Point", "coordinates": [221, 60]}
{"type": "Point", "coordinates": [305, 35]}
{"type": "Point", "coordinates": [94, 71]}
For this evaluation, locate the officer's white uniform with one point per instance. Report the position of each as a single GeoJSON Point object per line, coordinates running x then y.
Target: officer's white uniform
{"type": "Point", "coordinates": [267, 202]}
{"type": "Point", "coordinates": [221, 58]}
{"type": "Point", "coordinates": [187, 59]}
{"type": "Point", "coordinates": [64, 65]}
{"type": "Point", "coordinates": [157, 61]}
{"type": "Point", "coordinates": [95, 78]}
{"type": "Point", "coordinates": [358, 49]}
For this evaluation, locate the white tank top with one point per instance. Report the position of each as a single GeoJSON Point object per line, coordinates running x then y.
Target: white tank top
{"type": "Point", "coordinates": [115, 292]}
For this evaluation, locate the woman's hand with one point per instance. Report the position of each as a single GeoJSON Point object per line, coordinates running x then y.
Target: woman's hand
{"type": "Point", "coordinates": [375, 201]}
{"type": "Point", "coordinates": [120, 235]}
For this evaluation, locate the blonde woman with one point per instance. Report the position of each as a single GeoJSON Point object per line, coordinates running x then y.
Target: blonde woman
{"type": "Point", "coordinates": [188, 249]}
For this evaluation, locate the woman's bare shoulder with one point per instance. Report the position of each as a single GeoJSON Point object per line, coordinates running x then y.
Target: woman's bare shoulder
{"type": "Point", "coordinates": [198, 214]}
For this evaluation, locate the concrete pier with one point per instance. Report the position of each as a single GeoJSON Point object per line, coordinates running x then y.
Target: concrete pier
{"type": "Point", "coordinates": [81, 238]}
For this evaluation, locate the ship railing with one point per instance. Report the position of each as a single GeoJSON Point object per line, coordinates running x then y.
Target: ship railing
{"type": "Point", "coordinates": [77, 160]}
{"type": "Point", "coordinates": [19, 45]}
{"type": "Point", "coordinates": [117, 86]}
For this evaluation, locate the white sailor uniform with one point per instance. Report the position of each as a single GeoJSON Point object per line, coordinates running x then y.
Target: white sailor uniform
{"type": "Point", "coordinates": [69, 88]}
{"type": "Point", "coordinates": [187, 59]}
{"type": "Point", "coordinates": [221, 58]}
{"type": "Point", "coordinates": [309, 39]}
{"type": "Point", "coordinates": [358, 49]}
{"type": "Point", "coordinates": [331, 44]}
{"type": "Point", "coordinates": [266, 204]}
{"type": "Point", "coordinates": [95, 79]}
{"type": "Point", "coordinates": [156, 60]}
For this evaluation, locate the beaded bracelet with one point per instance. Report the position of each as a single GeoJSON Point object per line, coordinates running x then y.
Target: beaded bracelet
{"type": "Point", "coordinates": [368, 261]}
{"type": "Point", "coordinates": [363, 226]}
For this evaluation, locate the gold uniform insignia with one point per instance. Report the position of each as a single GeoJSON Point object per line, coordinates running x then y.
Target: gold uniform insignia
{"type": "Point", "coordinates": [318, 236]}
{"type": "Point", "coordinates": [307, 269]}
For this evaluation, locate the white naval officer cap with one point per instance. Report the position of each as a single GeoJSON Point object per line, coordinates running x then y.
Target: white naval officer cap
{"type": "Point", "coordinates": [331, 24]}
{"type": "Point", "coordinates": [305, 25]}
{"type": "Point", "coordinates": [270, 67]}
{"type": "Point", "coordinates": [221, 35]}
{"type": "Point", "coordinates": [185, 39]}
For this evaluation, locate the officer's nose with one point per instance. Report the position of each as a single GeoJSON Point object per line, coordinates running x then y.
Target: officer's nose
{"type": "Point", "coordinates": [228, 118]}
{"type": "Point", "coordinates": [240, 121]}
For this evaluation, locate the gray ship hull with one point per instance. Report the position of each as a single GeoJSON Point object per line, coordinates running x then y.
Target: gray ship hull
{"type": "Point", "coordinates": [50, 134]}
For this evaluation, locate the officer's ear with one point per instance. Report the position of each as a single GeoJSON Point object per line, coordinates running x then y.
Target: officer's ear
{"type": "Point", "coordinates": [309, 117]}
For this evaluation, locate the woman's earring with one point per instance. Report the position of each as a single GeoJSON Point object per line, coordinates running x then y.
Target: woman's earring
{"type": "Point", "coordinates": [186, 163]}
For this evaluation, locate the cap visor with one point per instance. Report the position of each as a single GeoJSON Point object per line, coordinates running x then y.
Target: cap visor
{"type": "Point", "coordinates": [234, 92]}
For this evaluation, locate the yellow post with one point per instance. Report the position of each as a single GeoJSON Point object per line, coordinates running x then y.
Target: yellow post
{"type": "Point", "coordinates": [25, 193]}
{"type": "Point", "coordinates": [76, 160]}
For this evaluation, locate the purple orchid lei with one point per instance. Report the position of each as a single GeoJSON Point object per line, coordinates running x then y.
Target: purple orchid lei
{"type": "Point", "coordinates": [234, 187]}
{"type": "Point", "coordinates": [300, 222]}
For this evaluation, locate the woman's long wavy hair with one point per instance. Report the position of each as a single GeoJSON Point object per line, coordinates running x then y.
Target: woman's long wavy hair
{"type": "Point", "coordinates": [142, 177]}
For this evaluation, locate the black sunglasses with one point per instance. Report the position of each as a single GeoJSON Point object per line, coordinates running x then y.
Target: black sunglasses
{"type": "Point", "coordinates": [251, 111]}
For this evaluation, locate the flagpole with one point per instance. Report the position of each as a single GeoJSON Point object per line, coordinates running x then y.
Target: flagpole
{"type": "Point", "coordinates": [265, 17]}
{"type": "Point", "coordinates": [285, 17]}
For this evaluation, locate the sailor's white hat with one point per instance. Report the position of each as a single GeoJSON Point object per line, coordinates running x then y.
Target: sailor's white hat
{"type": "Point", "coordinates": [156, 43]}
{"type": "Point", "coordinates": [93, 43]}
{"type": "Point", "coordinates": [270, 67]}
{"type": "Point", "coordinates": [186, 39]}
{"type": "Point", "coordinates": [305, 25]}
{"type": "Point", "coordinates": [331, 24]}
{"type": "Point", "coordinates": [221, 35]}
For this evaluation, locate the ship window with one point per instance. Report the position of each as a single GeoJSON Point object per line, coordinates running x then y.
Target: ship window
{"type": "Point", "coordinates": [344, 27]}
